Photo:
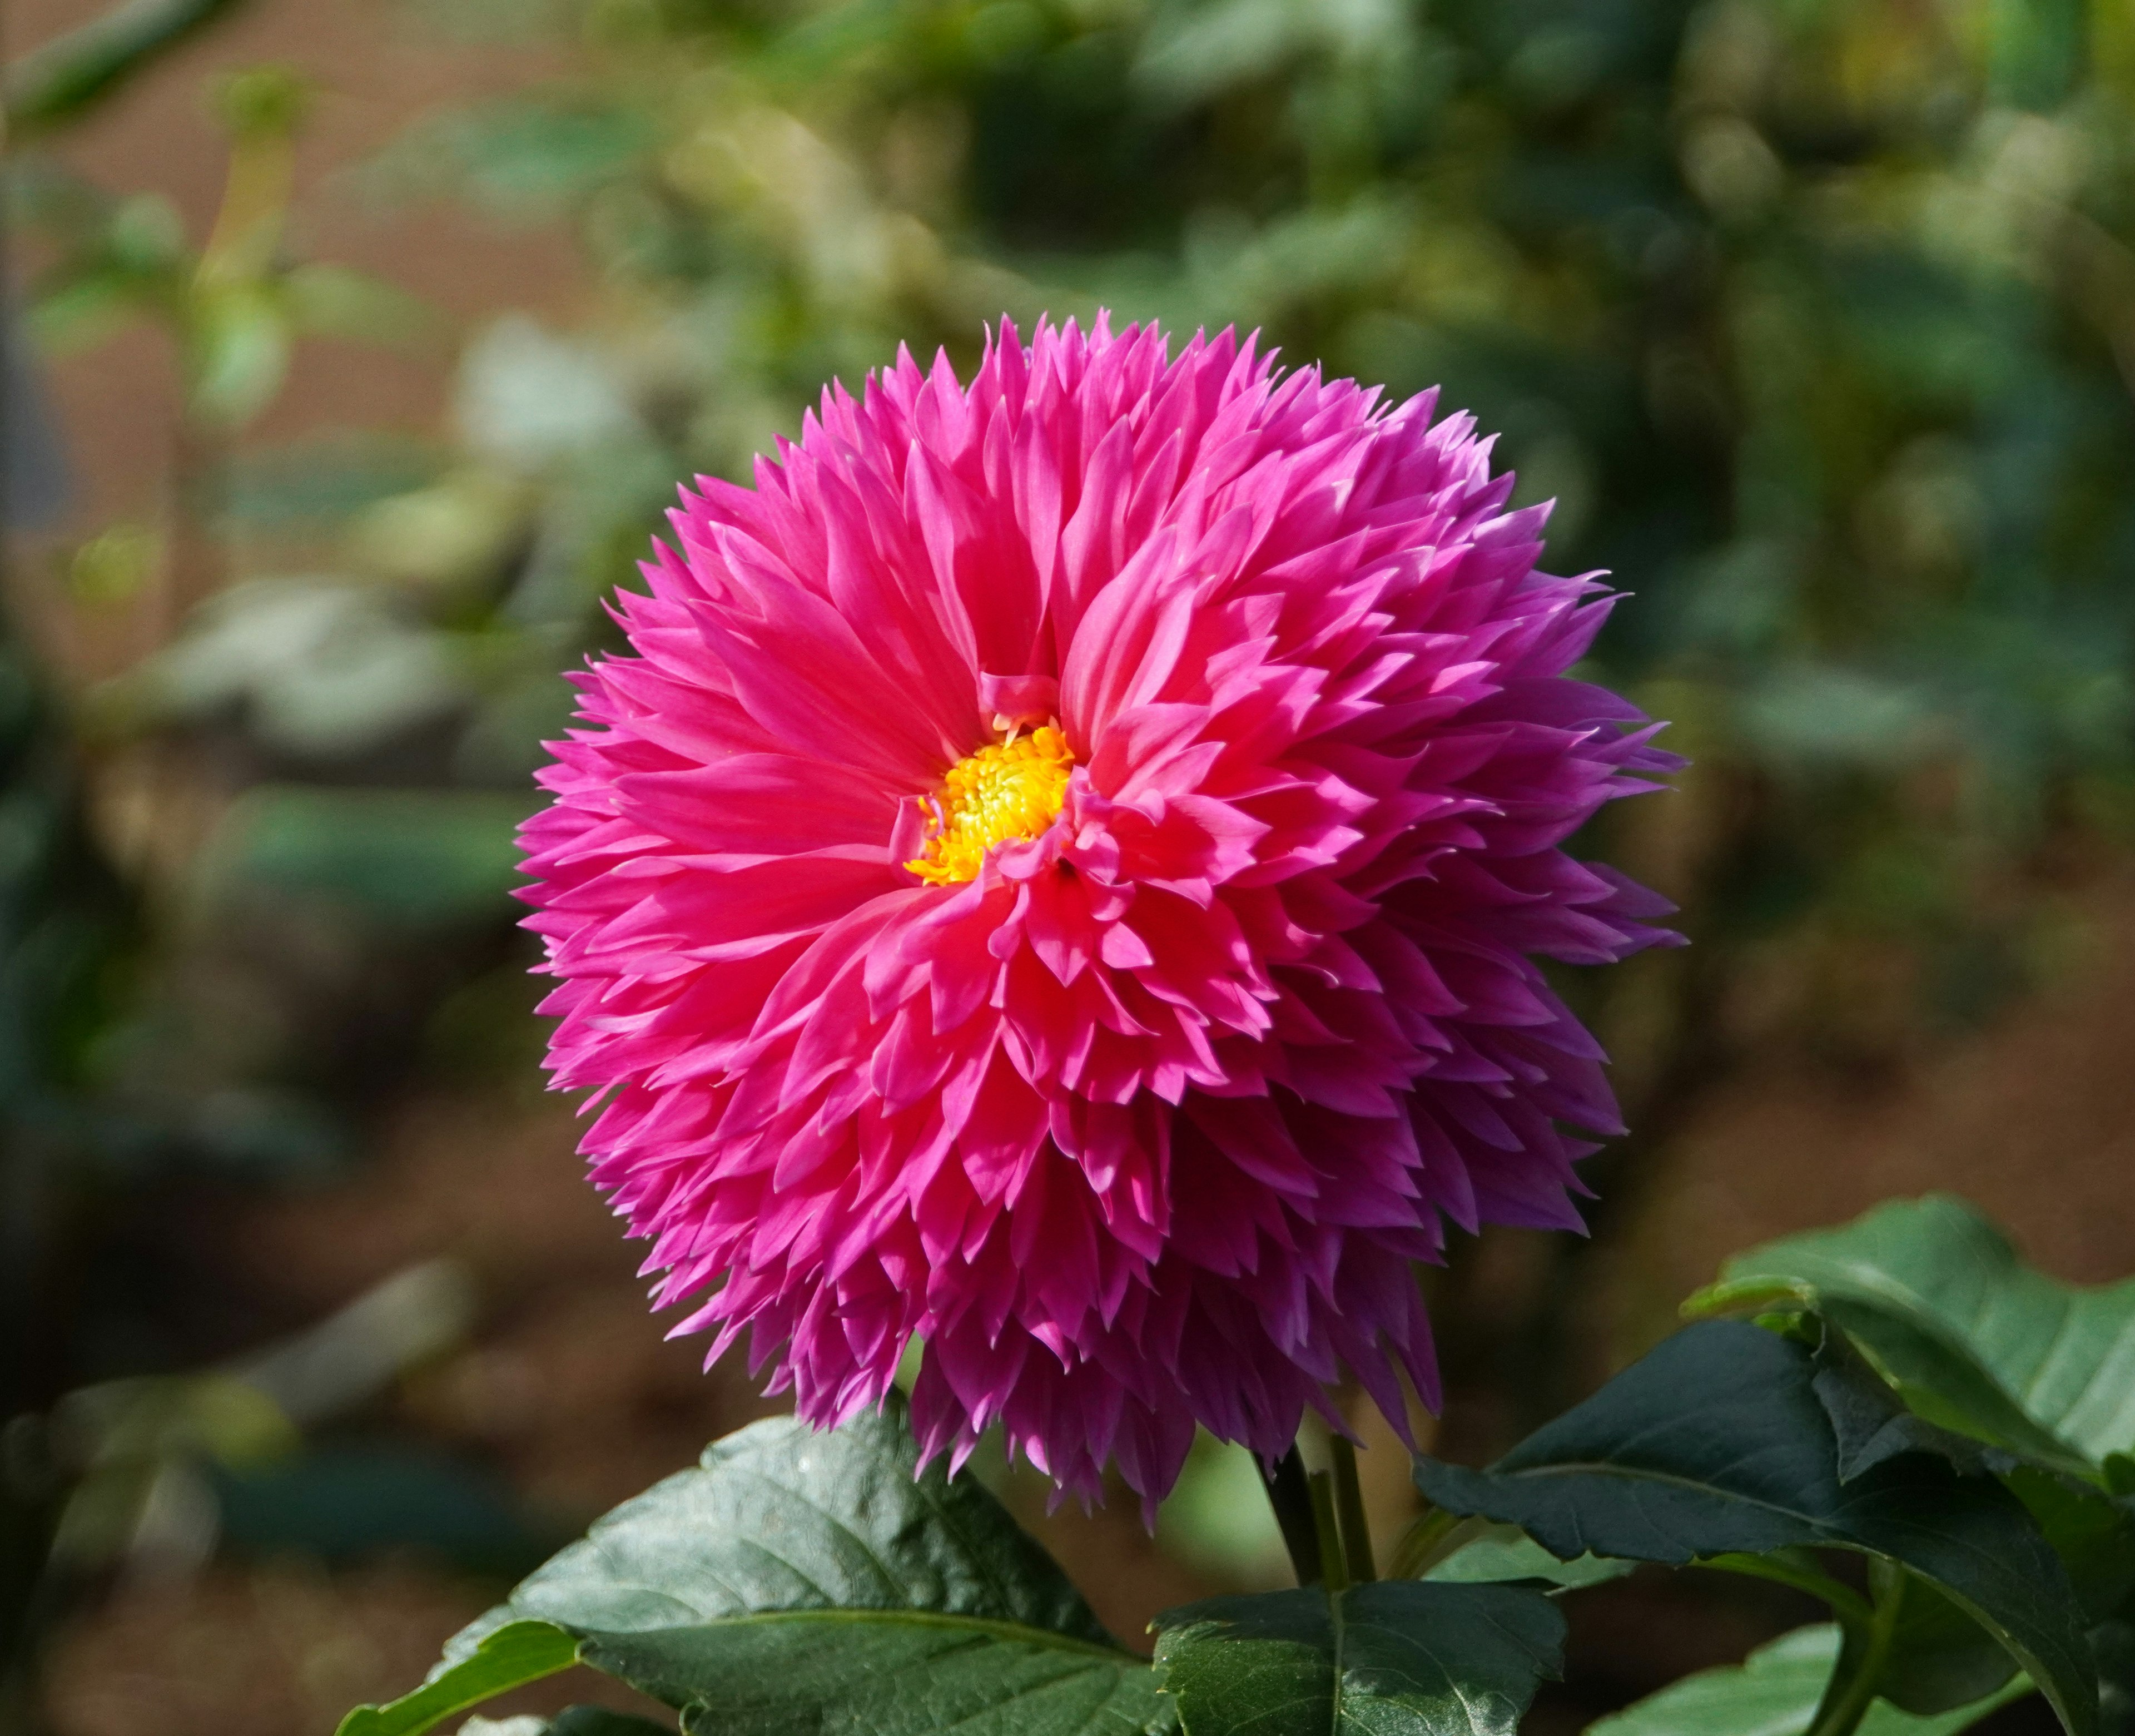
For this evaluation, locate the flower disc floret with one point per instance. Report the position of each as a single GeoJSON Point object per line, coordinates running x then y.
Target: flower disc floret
{"type": "Point", "coordinates": [1008, 789]}
{"type": "Point", "coordinates": [1062, 874]}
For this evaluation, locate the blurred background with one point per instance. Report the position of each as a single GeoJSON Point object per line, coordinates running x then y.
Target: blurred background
{"type": "Point", "coordinates": [353, 347]}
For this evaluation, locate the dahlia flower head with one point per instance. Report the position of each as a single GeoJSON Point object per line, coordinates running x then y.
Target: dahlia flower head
{"type": "Point", "coordinates": [1059, 876]}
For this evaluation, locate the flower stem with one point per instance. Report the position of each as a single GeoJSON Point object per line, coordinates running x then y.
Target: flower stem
{"type": "Point", "coordinates": [1289, 1493]}
{"type": "Point", "coordinates": [1428, 1541]}
{"type": "Point", "coordinates": [1349, 1508]}
{"type": "Point", "coordinates": [1332, 1569]}
{"type": "Point", "coordinates": [1860, 1668]}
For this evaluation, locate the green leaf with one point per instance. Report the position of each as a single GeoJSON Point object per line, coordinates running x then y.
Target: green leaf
{"type": "Point", "coordinates": [1774, 1693]}
{"type": "Point", "coordinates": [901, 1673]}
{"type": "Point", "coordinates": [803, 1581]}
{"type": "Point", "coordinates": [1496, 1553]}
{"type": "Point", "coordinates": [1719, 1443]}
{"type": "Point", "coordinates": [87, 308]}
{"type": "Point", "coordinates": [779, 1517]}
{"type": "Point", "coordinates": [238, 350]}
{"type": "Point", "coordinates": [1870, 1422]}
{"type": "Point", "coordinates": [2093, 1533]}
{"type": "Point", "coordinates": [1930, 1318]}
{"type": "Point", "coordinates": [1939, 1658]}
{"type": "Point", "coordinates": [1395, 1656]}
{"type": "Point", "coordinates": [1974, 1338]}
{"type": "Point", "coordinates": [504, 1658]}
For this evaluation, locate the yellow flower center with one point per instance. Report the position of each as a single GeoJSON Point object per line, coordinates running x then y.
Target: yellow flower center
{"type": "Point", "coordinates": [1010, 789]}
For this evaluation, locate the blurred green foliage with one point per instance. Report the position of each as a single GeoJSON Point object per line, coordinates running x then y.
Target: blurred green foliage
{"type": "Point", "coordinates": [237, 303]}
{"type": "Point", "coordinates": [1816, 319]}
{"type": "Point", "coordinates": [71, 75]}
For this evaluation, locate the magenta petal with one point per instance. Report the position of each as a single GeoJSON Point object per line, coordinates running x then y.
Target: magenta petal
{"type": "Point", "coordinates": [1019, 699]}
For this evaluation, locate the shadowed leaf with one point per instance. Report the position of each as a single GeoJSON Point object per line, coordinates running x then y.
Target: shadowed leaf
{"type": "Point", "coordinates": [1977, 1339]}
{"type": "Point", "coordinates": [1719, 1441]}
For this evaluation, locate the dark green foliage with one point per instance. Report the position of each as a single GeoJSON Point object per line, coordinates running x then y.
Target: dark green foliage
{"type": "Point", "coordinates": [1492, 1554]}
{"type": "Point", "coordinates": [1979, 1342]}
{"type": "Point", "coordinates": [1720, 1442]}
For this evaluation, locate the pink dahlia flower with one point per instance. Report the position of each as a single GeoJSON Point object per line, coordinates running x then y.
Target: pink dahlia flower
{"type": "Point", "coordinates": [1060, 878]}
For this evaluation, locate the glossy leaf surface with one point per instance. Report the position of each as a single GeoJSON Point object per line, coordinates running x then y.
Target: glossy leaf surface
{"type": "Point", "coordinates": [884, 1674]}
{"type": "Point", "coordinates": [803, 1581]}
{"type": "Point", "coordinates": [1396, 1655]}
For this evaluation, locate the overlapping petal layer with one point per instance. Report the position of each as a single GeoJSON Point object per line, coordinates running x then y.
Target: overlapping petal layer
{"type": "Point", "coordinates": [1144, 1125]}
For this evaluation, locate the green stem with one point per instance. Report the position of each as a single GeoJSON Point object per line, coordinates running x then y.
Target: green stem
{"type": "Point", "coordinates": [1423, 1545]}
{"type": "Point", "coordinates": [1349, 1509]}
{"type": "Point", "coordinates": [1333, 1569]}
{"type": "Point", "coordinates": [1784, 1567]}
{"type": "Point", "coordinates": [1861, 1660]}
{"type": "Point", "coordinates": [1289, 1493]}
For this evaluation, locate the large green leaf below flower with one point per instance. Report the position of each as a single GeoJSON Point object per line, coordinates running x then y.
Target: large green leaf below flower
{"type": "Point", "coordinates": [1392, 1656]}
{"type": "Point", "coordinates": [804, 1581]}
{"type": "Point", "coordinates": [1722, 1442]}
{"type": "Point", "coordinates": [1975, 1339]}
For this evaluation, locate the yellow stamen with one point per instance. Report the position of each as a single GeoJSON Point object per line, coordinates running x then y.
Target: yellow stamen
{"type": "Point", "coordinates": [1010, 789]}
